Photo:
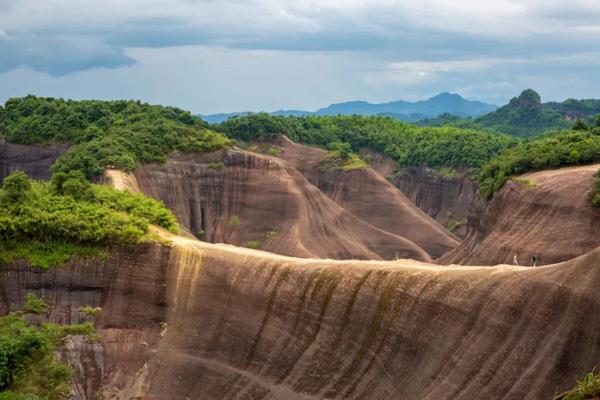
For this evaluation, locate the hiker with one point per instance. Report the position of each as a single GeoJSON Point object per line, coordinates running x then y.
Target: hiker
{"type": "Point", "coordinates": [515, 260]}
{"type": "Point", "coordinates": [534, 260]}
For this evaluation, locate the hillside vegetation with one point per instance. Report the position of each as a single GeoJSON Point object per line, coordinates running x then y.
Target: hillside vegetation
{"type": "Point", "coordinates": [47, 223]}
{"type": "Point", "coordinates": [28, 367]}
{"type": "Point", "coordinates": [573, 147]}
{"type": "Point", "coordinates": [407, 144]}
{"type": "Point", "coordinates": [118, 133]}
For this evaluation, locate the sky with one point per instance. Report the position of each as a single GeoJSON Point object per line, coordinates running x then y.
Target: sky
{"type": "Point", "coordinates": [211, 56]}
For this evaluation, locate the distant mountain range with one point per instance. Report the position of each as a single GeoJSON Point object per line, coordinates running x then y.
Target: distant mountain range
{"type": "Point", "coordinates": [443, 103]}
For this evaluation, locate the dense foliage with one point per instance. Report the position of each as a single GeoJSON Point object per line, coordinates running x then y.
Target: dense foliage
{"type": "Point", "coordinates": [106, 133]}
{"type": "Point", "coordinates": [523, 116]}
{"type": "Point", "coordinates": [407, 144]}
{"type": "Point", "coordinates": [547, 152]}
{"type": "Point", "coordinates": [51, 220]}
{"type": "Point", "coordinates": [28, 368]}
{"type": "Point", "coordinates": [586, 389]}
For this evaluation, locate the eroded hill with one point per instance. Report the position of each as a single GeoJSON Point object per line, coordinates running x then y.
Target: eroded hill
{"type": "Point", "coordinates": [547, 213]}
{"type": "Point", "coordinates": [207, 321]}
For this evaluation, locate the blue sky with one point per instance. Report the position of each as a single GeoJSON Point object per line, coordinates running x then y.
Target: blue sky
{"type": "Point", "coordinates": [220, 55]}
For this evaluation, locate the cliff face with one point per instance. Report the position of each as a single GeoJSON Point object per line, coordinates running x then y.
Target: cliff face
{"type": "Point", "coordinates": [205, 321]}
{"type": "Point", "coordinates": [366, 194]}
{"type": "Point", "coordinates": [35, 160]}
{"type": "Point", "coordinates": [548, 213]}
{"type": "Point", "coordinates": [130, 287]}
{"type": "Point", "coordinates": [275, 206]}
{"type": "Point", "coordinates": [448, 199]}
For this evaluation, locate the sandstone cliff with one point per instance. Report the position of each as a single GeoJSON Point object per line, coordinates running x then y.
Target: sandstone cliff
{"type": "Point", "coordinates": [275, 205]}
{"type": "Point", "coordinates": [366, 194]}
{"type": "Point", "coordinates": [204, 321]}
{"type": "Point", "coordinates": [547, 213]}
{"type": "Point", "coordinates": [35, 160]}
{"type": "Point", "coordinates": [447, 197]}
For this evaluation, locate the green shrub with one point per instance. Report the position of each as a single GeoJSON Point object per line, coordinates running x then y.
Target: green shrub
{"type": "Point", "coordinates": [89, 311]}
{"type": "Point", "coordinates": [254, 244]}
{"type": "Point", "coordinates": [217, 165]}
{"type": "Point", "coordinates": [28, 368]}
{"type": "Point", "coordinates": [526, 183]}
{"type": "Point", "coordinates": [34, 304]}
{"type": "Point", "coordinates": [587, 388]}
{"type": "Point", "coordinates": [55, 220]}
{"type": "Point", "coordinates": [342, 162]}
{"type": "Point", "coordinates": [453, 226]}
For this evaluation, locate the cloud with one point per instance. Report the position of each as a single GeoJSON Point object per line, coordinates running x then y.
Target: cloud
{"type": "Point", "coordinates": [62, 36]}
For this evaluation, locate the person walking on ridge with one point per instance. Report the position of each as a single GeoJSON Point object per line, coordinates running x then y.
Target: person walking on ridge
{"type": "Point", "coordinates": [534, 260]}
{"type": "Point", "coordinates": [515, 260]}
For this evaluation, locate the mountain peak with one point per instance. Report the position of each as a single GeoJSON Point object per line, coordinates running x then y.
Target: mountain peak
{"type": "Point", "coordinates": [528, 98]}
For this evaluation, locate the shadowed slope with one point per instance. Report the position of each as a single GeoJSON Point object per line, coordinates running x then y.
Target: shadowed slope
{"type": "Point", "coordinates": [275, 205]}
{"type": "Point", "coordinates": [546, 213]}
{"type": "Point", "coordinates": [368, 195]}
{"type": "Point", "coordinates": [33, 159]}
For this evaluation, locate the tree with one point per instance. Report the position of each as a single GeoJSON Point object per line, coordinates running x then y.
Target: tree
{"type": "Point", "coordinates": [580, 125]}
{"type": "Point", "coordinates": [598, 122]}
{"type": "Point", "coordinates": [72, 183]}
{"type": "Point", "coordinates": [16, 186]}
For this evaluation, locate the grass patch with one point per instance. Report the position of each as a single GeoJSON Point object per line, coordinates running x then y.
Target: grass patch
{"type": "Point", "coordinates": [453, 226]}
{"type": "Point", "coordinates": [526, 183]}
{"type": "Point", "coordinates": [335, 161]}
{"type": "Point", "coordinates": [447, 172]}
{"type": "Point", "coordinates": [89, 311]}
{"type": "Point", "coordinates": [264, 148]}
{"type": "Point", "coordinates": [587, 388]}
{"type": "Point", "coordinates": [254, 244]}
{"type": "Point", "coordinates": [45, 255]}
{"type": "Point", "coordinates": [217, 165]}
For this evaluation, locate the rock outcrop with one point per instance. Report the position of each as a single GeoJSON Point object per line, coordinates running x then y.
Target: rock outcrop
{"type": "Point", "coordinates": [548, 214]}
{"type": "Point", "coordinates": [365, 193]}
{"type": "Point", "coordinates": [33, 159]}
{"type": "Point", "coordinates": [248, 199]}
{"type": "Point", "coordinates": [205, 321]}
{"type": "Point", "coordinates": [449, 197]}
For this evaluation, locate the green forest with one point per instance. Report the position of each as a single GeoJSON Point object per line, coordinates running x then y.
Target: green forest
{"type": "Point", "coordinates": [118, 134]}
{"type": "Point", "coordinates": [405, 143]}
{"type": "Point", "coordinates": [553, 150]}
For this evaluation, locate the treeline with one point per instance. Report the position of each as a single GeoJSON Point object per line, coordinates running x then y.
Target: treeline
{"type": "Point", "coordinates": [406, 144]}
{"type": "Point", "coordinates": [553, 150]}
{"type": "Point", "coordinates": [118, 134]}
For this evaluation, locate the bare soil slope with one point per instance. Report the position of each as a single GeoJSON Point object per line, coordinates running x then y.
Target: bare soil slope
{"type": "Point", "coordinates": [368, 195]}
{"type": "Point", "coordinates": [205, 321]}
{"type": "Point", "coordinates": [549, 214]}
{"type": "Point", "coordinates": [275, 205]}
